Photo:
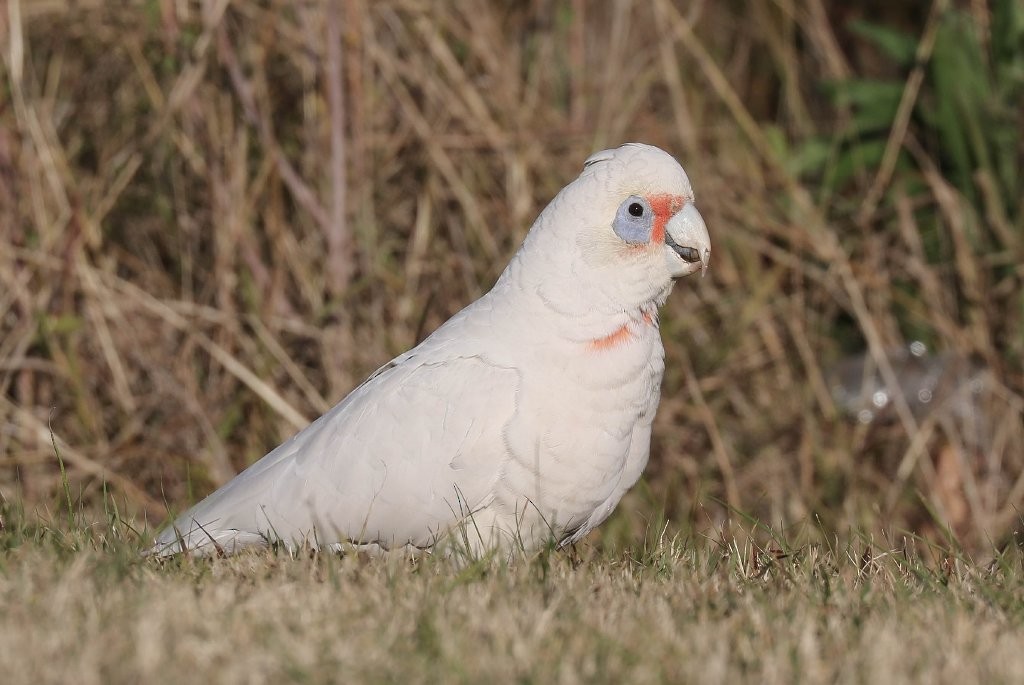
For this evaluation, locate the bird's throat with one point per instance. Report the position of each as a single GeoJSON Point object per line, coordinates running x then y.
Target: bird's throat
{"type": "Point", "coordinates": [626, 332]}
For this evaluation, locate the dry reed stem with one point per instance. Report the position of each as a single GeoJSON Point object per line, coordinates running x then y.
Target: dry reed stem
{"type": "Point", "coordinates": [340, 268]}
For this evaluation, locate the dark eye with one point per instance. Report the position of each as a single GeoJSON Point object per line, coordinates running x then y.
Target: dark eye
{"type": "Point", "coordinates": [636, 209]}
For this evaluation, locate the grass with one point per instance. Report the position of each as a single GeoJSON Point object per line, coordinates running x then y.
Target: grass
{"type": "Point", "coordinates": [78, 604]}
{"type": "Point", "coordinates": [216, 218]}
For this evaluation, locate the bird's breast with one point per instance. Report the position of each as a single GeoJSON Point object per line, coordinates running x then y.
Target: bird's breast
{"type": "Point", "coordinates": [576, 418]}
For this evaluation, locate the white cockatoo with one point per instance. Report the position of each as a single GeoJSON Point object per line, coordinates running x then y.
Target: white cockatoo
{"type": "Point", "coordinates": [521, 421]}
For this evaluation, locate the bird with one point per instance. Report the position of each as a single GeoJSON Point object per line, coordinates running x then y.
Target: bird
{"type": "Point", "coordinates": [519, 423]}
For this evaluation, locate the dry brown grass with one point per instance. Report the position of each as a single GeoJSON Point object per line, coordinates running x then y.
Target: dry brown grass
{"type": "Point", "coordinates": [217, 217]}
{"type": "Point", "coordinates": [83, 607]}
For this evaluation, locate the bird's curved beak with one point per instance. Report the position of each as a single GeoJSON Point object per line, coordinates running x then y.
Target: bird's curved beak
{"type": "Point", "coordinates": [689, 245]}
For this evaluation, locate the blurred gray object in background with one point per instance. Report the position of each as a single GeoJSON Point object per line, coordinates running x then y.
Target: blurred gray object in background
{"type": "Point", "coordinates": [945, 386]}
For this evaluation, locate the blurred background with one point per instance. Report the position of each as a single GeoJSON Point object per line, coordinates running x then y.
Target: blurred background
{"type": "Point", "coordinates": [218, 216]}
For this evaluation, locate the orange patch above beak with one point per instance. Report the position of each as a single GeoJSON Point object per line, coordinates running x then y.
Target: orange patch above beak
{"type": "Point", "coordinates": [664, 207]}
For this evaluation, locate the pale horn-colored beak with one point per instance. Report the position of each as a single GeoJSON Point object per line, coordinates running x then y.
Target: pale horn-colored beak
{"type": "Point", "coordinates": [689, 245]}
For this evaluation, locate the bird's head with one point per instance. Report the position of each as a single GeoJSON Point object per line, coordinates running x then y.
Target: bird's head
{"type": "Point", "coordinates": [631, 229]}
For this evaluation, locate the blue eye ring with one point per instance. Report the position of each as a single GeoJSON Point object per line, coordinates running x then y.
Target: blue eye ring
{"type": "Point", "coordinates": [634, 220]}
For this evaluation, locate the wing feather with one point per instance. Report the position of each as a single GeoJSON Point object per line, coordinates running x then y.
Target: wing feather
{"type": "Point", "coordinates": [401, 459]}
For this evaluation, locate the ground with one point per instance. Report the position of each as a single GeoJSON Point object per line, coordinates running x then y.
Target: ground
{"type": "Point", "coordinates": [82, 606]}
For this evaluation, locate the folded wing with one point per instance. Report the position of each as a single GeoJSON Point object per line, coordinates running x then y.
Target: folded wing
{"type": "Point", "coordinates": [405, 456]}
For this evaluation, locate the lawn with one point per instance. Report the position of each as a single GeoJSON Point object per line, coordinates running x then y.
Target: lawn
{"type": "Point", "coordinates": [82, 607]}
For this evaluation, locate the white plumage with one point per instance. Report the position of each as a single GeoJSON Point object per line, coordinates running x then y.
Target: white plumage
{"type": "Point", "coordinates": [522, 420]}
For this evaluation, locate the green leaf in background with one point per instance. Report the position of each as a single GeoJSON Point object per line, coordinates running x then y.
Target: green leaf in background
{"type": "Point", "coordinates": [1007, 58]}
{"type": "Point", "coordinates": [855, 160]}
{"type": "Point", "coordinates": [969, 112]}
{"type": "Point", "coordinates": [962, 91]}
{"type": "Point", "coordinates": [896, 44]}
{"type": "Point", "coordinates": [810, 156]}
{"type": "Point", "coordinates": [874, 102]}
